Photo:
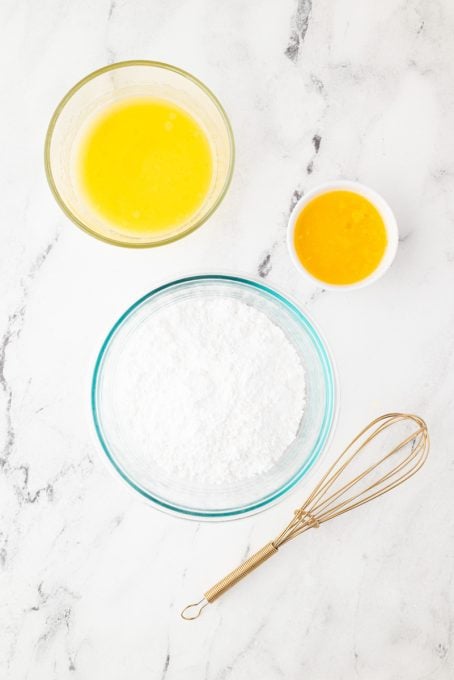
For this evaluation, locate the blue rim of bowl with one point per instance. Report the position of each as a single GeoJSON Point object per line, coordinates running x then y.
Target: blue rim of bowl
{"type": "Point", "coordinates": [323, 435]}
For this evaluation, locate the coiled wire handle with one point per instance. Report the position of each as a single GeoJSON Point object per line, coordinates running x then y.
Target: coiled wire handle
{"type": "Point", "coordinates": [230, 580]}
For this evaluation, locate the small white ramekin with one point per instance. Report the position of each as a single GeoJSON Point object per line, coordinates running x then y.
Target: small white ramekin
{"type": "Point", "coordinates": [376, 200]}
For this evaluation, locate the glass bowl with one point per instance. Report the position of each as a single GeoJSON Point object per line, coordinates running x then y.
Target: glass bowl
{"type": "Point", "coordinates": [233, 499]}
{"type": "Point", "coordinates": [110, 85]}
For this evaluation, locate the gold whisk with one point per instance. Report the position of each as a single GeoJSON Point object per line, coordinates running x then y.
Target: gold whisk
{"type": "Point", "coordinates": [332, 496]}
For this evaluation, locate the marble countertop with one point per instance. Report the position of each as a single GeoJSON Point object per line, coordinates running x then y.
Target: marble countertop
{"type": "Point", "coordinates": [92, 579]}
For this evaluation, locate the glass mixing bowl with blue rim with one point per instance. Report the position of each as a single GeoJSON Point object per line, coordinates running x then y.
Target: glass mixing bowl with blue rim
{"type": "Point", "coordinates": [195, 498]}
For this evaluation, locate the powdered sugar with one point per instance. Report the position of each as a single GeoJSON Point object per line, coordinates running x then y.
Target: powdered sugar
{"type": "Point", "coordinates": [209, 389]}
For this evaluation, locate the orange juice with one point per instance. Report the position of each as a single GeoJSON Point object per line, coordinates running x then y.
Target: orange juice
{"type": "Point", "coordinates": [145, 165]}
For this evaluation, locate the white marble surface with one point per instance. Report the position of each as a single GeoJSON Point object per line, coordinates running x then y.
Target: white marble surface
{"type": "Point", "coordinates": [92, 579]}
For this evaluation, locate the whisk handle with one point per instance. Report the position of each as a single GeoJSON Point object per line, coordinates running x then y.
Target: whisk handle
{"type": "Point", "coordinates": [230, 580]}
{"type": "Point", "coordinates": [240, 572]}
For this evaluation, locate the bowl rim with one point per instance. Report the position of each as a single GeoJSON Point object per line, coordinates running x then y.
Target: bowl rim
{"type": "Point", "coordinates": [377, 201]}
{"type": "Point", "coordinates": [322, 440]}
{"type": "Point", "coordinates": [53, 122]}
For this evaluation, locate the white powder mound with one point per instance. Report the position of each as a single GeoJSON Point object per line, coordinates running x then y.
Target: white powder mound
{"type": "Point", "coordinates": [209, 390]}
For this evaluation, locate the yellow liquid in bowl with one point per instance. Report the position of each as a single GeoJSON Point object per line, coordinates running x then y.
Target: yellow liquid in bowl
{"type": "Point", "coordinates": [145, 165]}
{"type": "Point", "coordinates": [340, 237]}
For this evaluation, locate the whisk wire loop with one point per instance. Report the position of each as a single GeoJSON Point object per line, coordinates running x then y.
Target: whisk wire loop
{"type": "Point", "coordinates": [322, 506]}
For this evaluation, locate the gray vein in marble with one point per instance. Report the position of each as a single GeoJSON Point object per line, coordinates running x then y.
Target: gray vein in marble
{"type": "Point", "coordinates": [112, 525]}
{"type": "Point", "coordinates": [228, 670]}
{"type": "Point", "coordinates": [3, 549]}
{"type": "Point", "coordinates": [299, 30]}
{"type": "Point", "coordinates": [265, 266]}
{"type": "Point", "coordinates": [25, 496]}
{"type": "Point", "coordinates": [441, 650]}
{"type": "Point", "coordinates": [318, 292]}
{"type": "Point", "coordinates": [246, 552]}
{"type": "Point", "coordinates": [23, 491]}
{"type": "Point", "coordinates": [112, 8]}
{"type": "Point", "coordinates": [247, 549]}
{"type": "Point", "coordinates": [166, 665]}
{"type": "Point", "coordinates": [317, 83]}
{"type": "Point", "coordinates": [44, 597]}
{"type": "Point", "coordinates": [355, 662]}
{"type": "Point", "coordinates": [111, 54]}
{"type": "Point", "coordinates": [111, 58]}
{"type": "Point", "coordinates": [316, 141]}
{"type": "Point", "coordinates": [12, 332]}
{"type": "Point", "coordinates": [60, 602]}
{"type": "Point", "coordinates": [54, 622]}
{"type": "Point", "coordinates": [41, 258]}
{"type": "Point", "coordinates": [214, 638]}
{"type": "Point", "coordinates": [297, 194]}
